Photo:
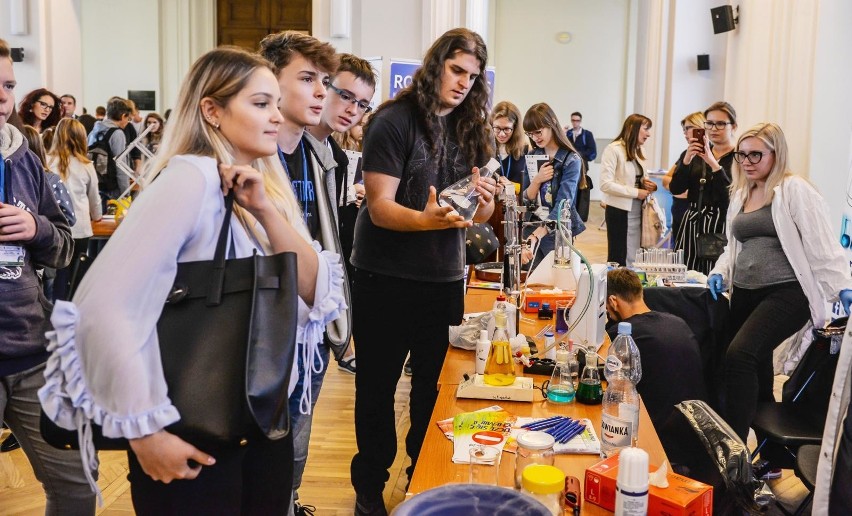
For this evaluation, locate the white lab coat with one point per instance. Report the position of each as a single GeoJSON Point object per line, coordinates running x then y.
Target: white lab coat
{"type": "Point", "coordinates": [801, 220]}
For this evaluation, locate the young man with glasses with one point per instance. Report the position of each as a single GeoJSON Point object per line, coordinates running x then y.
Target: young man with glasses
{"type": "Point", "coordinates": [582, 139]}
{"type": "Point", "coordinates": [348, 100]}
{"type": "Point", "coordinates": [409, 250]}
{"type": "Point", "coordinates": [303, 66]}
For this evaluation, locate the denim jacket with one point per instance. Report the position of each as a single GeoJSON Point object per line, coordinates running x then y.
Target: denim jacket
{"type": "Point", "coordinates": [563, 185]}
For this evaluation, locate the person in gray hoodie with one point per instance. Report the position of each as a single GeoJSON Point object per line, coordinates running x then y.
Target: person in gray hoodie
{"type": "Point", "coordinates": [33, 233]}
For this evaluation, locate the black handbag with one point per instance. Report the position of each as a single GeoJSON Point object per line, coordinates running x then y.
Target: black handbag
{"type": "Point", "coordinates": [584, 196]}
{"type": "Point", "coordinates": [227, 336]}
{"type": "Point", "coordinates": [710, 246]}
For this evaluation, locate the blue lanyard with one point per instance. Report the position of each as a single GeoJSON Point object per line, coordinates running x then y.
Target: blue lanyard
{"type": "Point", "coordinates": [2, 180]}
{"type": "Point", "coordinates": [304, 179]}
{"type": "Point", "coordinates": [507, 169]}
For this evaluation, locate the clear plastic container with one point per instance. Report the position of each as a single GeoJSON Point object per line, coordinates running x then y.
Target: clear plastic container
{"type": "Point", "coordinates": [620, 410]}
{"type": "Point", "coordinates": [545, 484]}
{"type": "Point", "coordinates": [533, 448]}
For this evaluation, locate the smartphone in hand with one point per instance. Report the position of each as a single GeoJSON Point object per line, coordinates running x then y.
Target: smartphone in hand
{"type": "Point", "coordinates": [700, 135]}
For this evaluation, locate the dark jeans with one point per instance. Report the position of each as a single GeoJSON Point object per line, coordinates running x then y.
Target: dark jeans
{"type": "Point", "coordinates": [252, 479]}
{"type": "Point", "coordinates": [62, 284]}
{"type": "Point", "coordinates": [761, 319]}
{"type": "Point", "coordinates": [616, 235]}
{"type": "Point", "coordinates": [392, 317]}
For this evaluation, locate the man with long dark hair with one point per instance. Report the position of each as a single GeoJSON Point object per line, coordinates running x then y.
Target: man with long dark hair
{"type": "Point", "coordinates": [409, 251]}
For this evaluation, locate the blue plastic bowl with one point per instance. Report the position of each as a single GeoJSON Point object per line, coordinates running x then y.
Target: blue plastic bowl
{"type": "Point", "coordinates": [471, 500]}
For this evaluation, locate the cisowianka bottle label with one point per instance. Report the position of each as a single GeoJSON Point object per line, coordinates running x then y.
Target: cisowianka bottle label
{"type": "Point", "coordinates": [616, 432]}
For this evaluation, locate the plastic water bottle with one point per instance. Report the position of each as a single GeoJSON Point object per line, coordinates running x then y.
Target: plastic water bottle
{"type": "Point", "coordinates": [620, 411]}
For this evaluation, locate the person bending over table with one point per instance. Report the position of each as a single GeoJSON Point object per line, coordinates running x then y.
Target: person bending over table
{"type": "Point", "coordinates": [781, 265]}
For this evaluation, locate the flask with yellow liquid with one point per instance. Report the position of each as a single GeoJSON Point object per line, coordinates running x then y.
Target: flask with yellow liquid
{"type": "Point", "coordinates": [500, 367]}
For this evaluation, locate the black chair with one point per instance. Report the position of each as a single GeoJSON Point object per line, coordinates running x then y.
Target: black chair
{"type": "Point", "coordinates": [799, 418]}
{"type": "Point", "coordinates": [806, 469]}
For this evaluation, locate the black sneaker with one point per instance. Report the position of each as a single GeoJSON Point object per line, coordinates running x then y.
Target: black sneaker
{"type": "Point", "coordinates": [763, 470]}
{"type": "Point", "coordinates": [407, 367]}
{"type": "Point", "coordinates": [303, 510]}
{"type": "Point", "coordinates": [11, 443]}
{"type": "Point", "coordinates": [370, 506]}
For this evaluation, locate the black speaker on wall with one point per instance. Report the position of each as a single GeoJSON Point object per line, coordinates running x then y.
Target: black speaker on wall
{"type": "Point", "coordinates": [703, 61]}
{"type": "Point", "coordinates": [723, 19]}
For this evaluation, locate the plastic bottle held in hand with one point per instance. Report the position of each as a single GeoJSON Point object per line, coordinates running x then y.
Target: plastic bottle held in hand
{"type": "Point", "coordinates": [500, 367]}
{"type": "Point", "coordinates": [462, 196]}
{"type": "Point", "coordinates": [620, 411]}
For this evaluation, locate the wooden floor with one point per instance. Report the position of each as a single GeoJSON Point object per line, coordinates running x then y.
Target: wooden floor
{"type": "Point", "coordinates": [326, 482]}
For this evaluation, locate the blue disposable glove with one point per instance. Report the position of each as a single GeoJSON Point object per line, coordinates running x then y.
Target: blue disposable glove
{"type": "Point", "coordinates": [714, 283]}
{"type": "Point", "coordinates": [846, 299]}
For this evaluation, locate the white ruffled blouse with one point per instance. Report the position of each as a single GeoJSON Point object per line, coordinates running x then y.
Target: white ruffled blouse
{"type": "Point", "coordinates": [105, 361]}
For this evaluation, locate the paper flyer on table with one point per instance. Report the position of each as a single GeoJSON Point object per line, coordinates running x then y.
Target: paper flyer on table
{"type": "Point", "coordinates": [487, 427]}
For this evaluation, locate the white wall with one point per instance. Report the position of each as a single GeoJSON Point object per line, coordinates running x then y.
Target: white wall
{"type": "Point", "coordinates": [690, 90]}
{"type": "Point", "coordinates": [589, 74]}
{"type": "Point", "coordinates": [30, 74]}
{"type": "Point", "coordinates": [831, 110]}
{"type": "Point", "coordinates": [120, 41]}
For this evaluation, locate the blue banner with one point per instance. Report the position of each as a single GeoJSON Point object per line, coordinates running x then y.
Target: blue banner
{"type": "Point", "coordinates": [402, 71]}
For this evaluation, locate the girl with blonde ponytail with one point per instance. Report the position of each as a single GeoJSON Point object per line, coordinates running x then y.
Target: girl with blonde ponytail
{"type": "Point", "coordinates": [221, 137]}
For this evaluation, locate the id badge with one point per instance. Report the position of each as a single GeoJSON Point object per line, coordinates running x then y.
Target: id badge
{"type": "Point", "coordinates": [11, 255]}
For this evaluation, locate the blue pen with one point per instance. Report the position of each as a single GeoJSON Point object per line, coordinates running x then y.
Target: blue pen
{"type": "Point", "coordinates": [537, 423]}
{"type": "Point", "coordinates": [558, 427]}
{"type": "Point", "coordinates": [543, 425]}
{"type": "Point", "coordinates": [573, 434]}
{"type": "Point", "coordinates": [564, 431]}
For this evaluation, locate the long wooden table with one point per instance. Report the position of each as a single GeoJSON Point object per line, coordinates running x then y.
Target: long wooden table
{"type": "Point", "coordinates": [435, 467]}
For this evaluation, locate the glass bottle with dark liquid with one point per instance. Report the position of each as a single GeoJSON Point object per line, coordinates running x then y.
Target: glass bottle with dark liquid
{"type": "Point", "coordinates": [590, 392]}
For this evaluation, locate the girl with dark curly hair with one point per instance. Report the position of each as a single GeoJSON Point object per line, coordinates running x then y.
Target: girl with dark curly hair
{"type": "Point", "coordinates": [40, 109]}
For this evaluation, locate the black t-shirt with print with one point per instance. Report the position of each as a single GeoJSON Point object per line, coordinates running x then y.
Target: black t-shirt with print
{"type": "Point", "coordinates": [302, 178]}
{"type": "Point", "coordinates": [395, 145]}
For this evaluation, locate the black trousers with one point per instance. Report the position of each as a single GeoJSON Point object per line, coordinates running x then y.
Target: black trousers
{"type": "Point", "coordinates": [616, 235]}
{"type": "Point", "coordinates": [62, 283]}
{"type": "Point", "coordinates": [393, 316]}
{"type": "Point", "coordinates": [761, 319]}
{"type": "Point", "coordinates": [252, 479]}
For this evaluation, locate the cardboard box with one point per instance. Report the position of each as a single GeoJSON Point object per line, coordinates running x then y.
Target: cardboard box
{"type": "Point", "coordinates": [683, 497]}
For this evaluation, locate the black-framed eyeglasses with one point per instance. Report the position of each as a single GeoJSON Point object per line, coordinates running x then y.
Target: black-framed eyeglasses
{"type": "Point", "coordinates": [534, 134]}
{"type": "Point", "coordinates": [716, 125]}
{"type": "Point", "coordinates": [504, 130]}
{"type": "Point", "coordinates": [753, 157]}
{"type": "Point", "coordinates": [347, 96]}
{"type": "Point", "coordinates": [45, 105]}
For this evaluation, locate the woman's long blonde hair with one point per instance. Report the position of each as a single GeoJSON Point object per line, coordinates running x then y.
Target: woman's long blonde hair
{"type": "Point", "coordinates": [771, 135]}
{"type": "Point", "coordinates": [69, 141]}
{"type": "Point", "coordinates": [221, 74]}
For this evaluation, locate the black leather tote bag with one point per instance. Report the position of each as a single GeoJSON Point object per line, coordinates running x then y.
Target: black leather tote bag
{"type": "Point", "coordinates": [227, 338]}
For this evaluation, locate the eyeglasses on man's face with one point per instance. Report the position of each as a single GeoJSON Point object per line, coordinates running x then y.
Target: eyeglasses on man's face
{"type": "Point", "coordinates": [534, 134]}
{"type": "Point", "coordinates": [716, 125]}
{"type": "Point", "coordinates": [45, 105]}
{"type": "Point", "coordinates": [347, 96]}
{"type": "Point", "coordinates": [503, 130]}
{"type": "Point", "coordinates": [753, 157]}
